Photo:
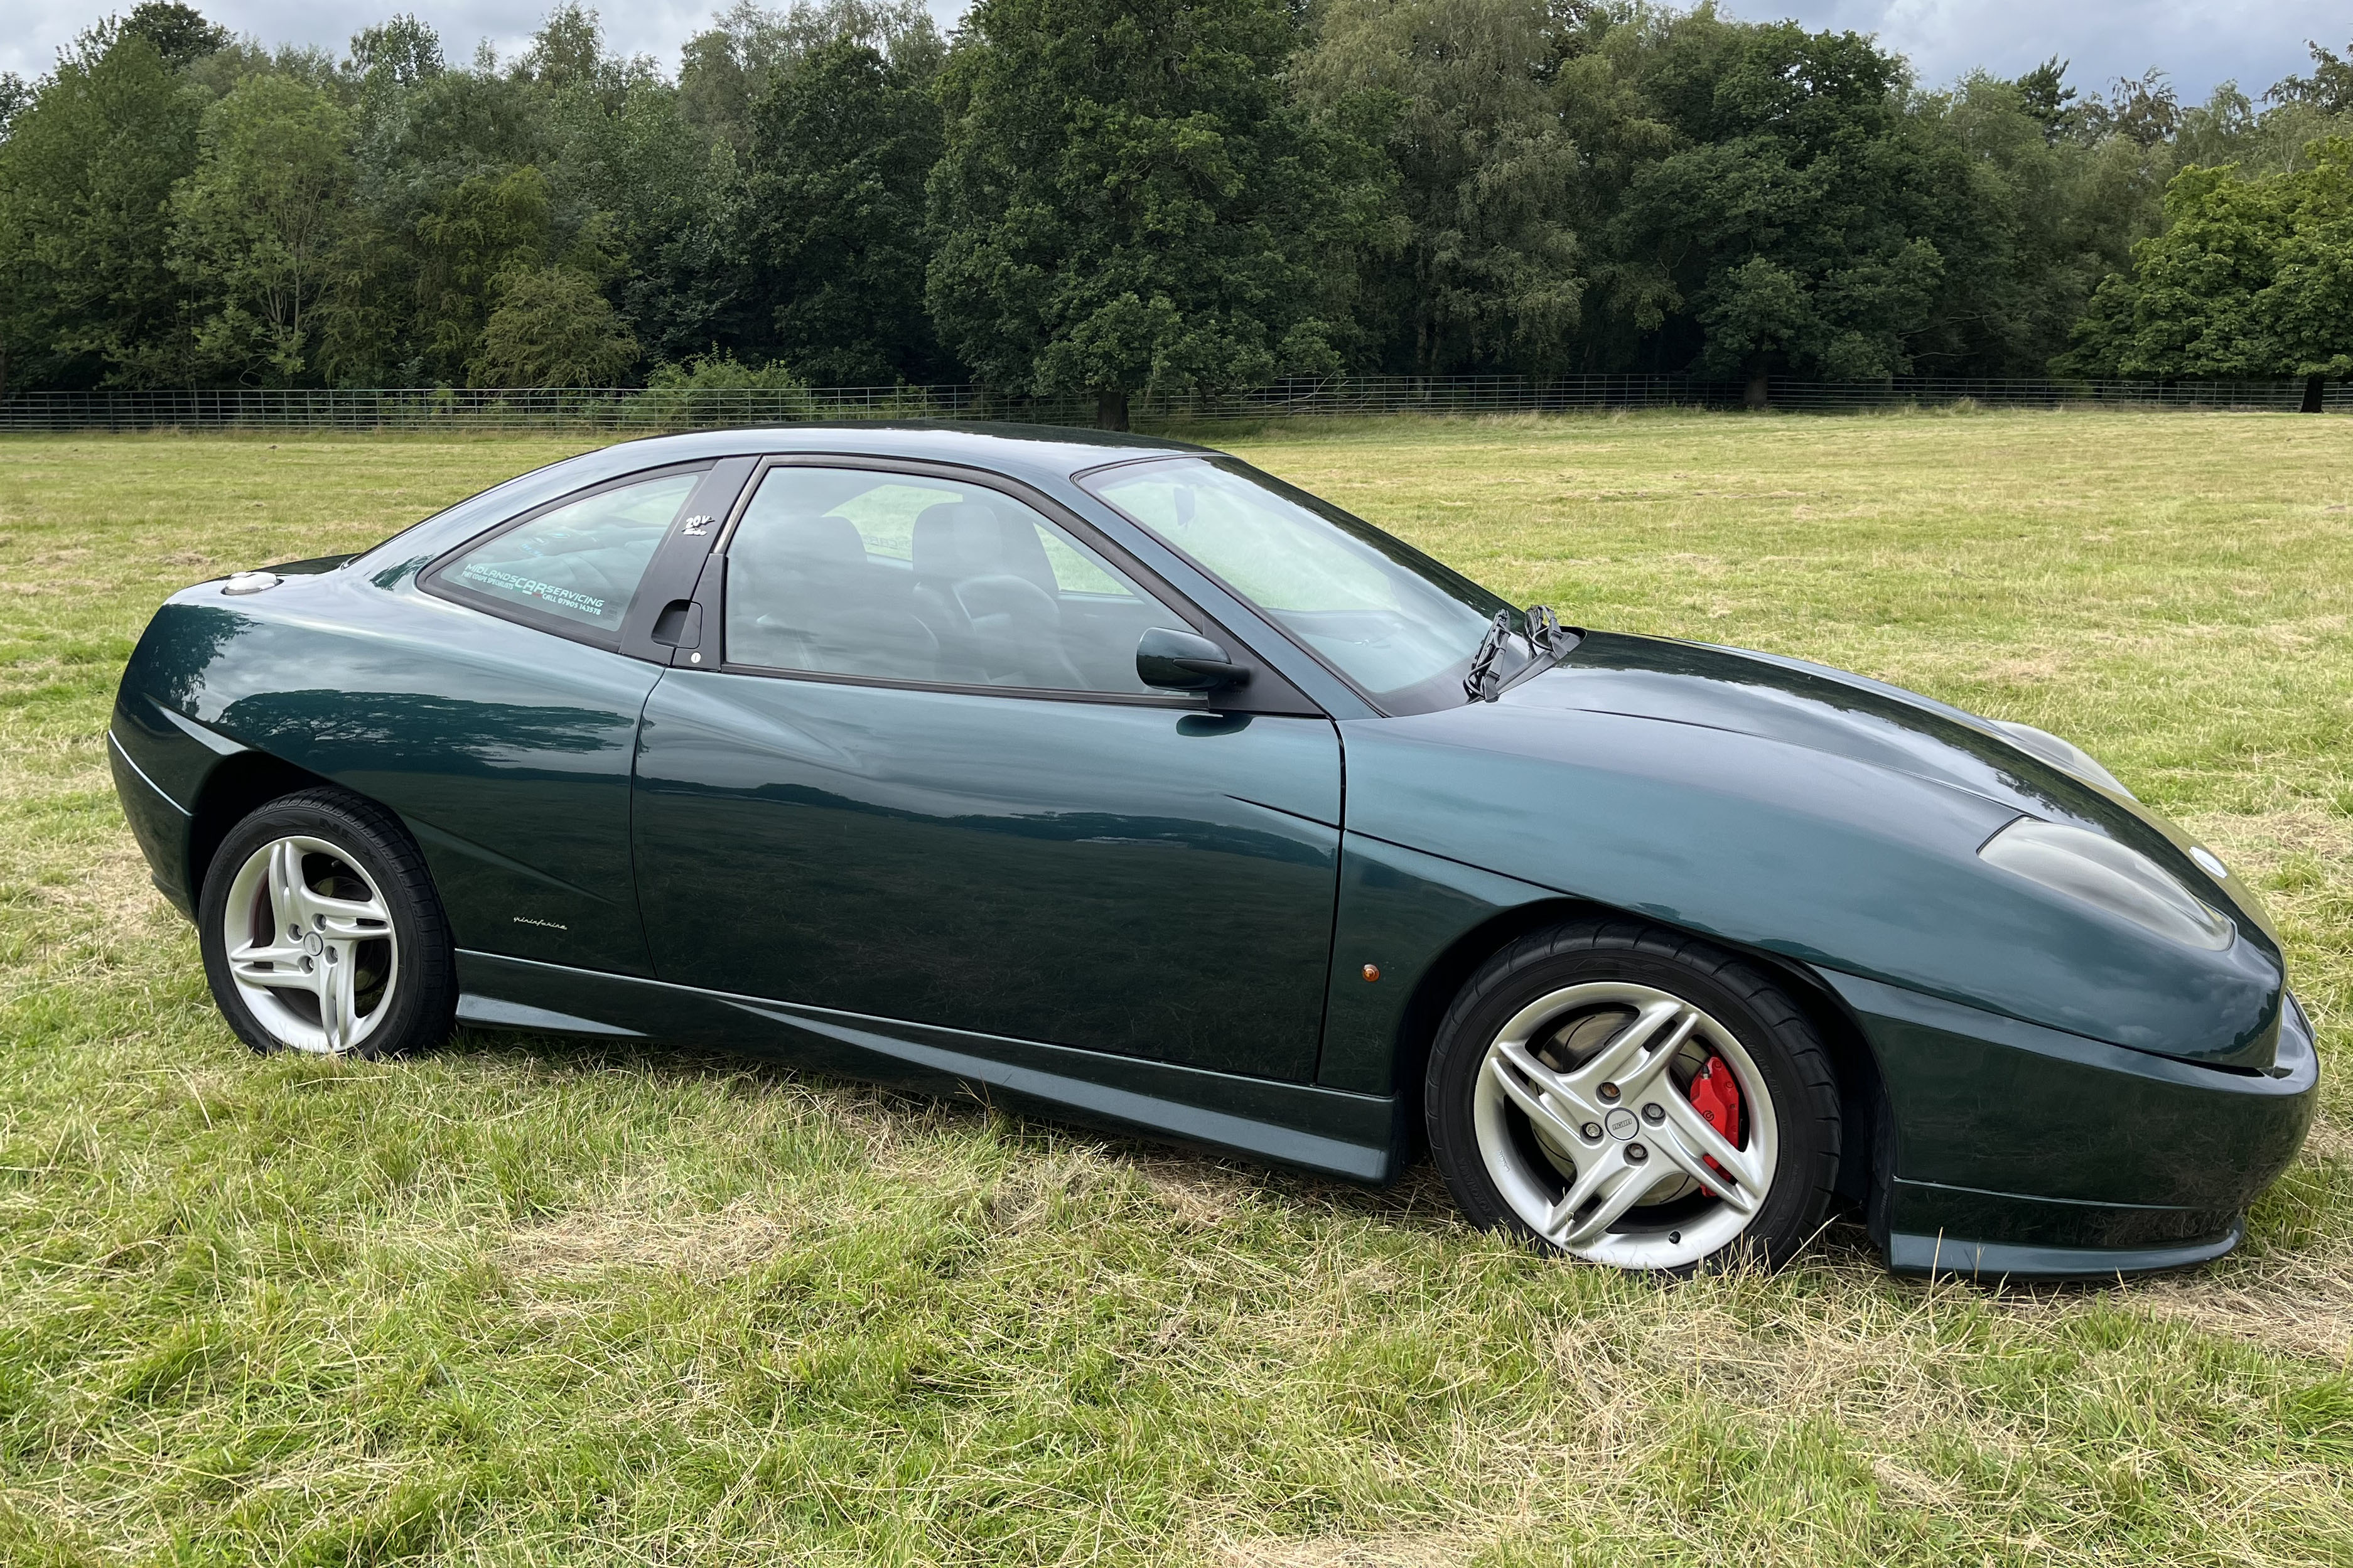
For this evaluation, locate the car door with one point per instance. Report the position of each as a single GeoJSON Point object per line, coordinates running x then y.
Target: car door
{"type": "Point", "coordinates": [915, 777]}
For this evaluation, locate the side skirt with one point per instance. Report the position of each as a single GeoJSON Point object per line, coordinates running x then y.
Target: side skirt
{"type": "Point", "coordinates": [1331, 1131]}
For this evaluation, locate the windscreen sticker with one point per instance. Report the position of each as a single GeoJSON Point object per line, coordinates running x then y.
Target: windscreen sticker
{"type": "Point", "coordinates": [532, 588]}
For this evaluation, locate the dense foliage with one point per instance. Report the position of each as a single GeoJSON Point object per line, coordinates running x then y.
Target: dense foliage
{"type": "Point", "coordinates": [1099, 199]}
{"type": "Point", "coordinates": [2250, 278]}
{"type": "Point", "coordinates": [1127, 198]}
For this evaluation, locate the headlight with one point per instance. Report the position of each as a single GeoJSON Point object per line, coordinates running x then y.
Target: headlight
{"type": "Point", "coordinates": [2100, 871]}
{"type": "Point", "coordinates": [2065, 755]}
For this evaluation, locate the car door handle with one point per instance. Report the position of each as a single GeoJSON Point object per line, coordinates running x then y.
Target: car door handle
{"type": "Point", "coordinates": [679, 625]}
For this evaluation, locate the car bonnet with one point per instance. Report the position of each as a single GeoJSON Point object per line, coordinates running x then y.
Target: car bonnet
{"type": "Point", "coordinates": [1851, 716]}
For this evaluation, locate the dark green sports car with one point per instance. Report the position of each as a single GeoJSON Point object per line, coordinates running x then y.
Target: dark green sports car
{"type": "Point", "coordinates": [1117, 777]}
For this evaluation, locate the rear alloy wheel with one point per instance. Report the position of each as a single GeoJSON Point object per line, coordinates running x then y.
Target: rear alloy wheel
{"type": "Point", "coordinates": [1636, 1098]}
{"type": "Point", "coordinates": [321, 934]}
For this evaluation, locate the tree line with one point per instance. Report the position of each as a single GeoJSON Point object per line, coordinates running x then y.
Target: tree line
{"type": "Point", "coordinates": [1101, 198]}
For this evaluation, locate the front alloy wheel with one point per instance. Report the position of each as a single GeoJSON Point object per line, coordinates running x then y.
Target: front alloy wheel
{"type": "Point", "coordinates": [1634, 1097]}
{"type": "Point", "coordinates": [1625, 1125]}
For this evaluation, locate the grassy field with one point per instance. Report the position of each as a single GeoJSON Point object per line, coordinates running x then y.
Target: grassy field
{"type": "Point", "coordinates": [530, 1301]}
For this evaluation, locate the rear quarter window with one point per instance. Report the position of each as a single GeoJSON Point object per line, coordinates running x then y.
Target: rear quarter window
{"type": "Point", "coordinates": [575, 566]}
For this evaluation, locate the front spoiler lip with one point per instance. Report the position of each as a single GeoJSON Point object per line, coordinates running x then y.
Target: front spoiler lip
{"type": "Point", "coordinates": [1941, 1256]}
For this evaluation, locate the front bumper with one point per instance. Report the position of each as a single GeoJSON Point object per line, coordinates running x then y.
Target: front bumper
{"type": "Point", "coordinates": [1909, 1252]}
{"type": "Point", "coordinates": [2026, 1151]}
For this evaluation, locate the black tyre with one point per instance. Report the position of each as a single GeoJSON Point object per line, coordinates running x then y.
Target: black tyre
{"type": "Point", "coordinates": [1635, 1096]}
{"type": "Point", "coordinates": [320, 931]}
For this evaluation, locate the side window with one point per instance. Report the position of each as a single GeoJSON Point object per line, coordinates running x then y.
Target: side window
{"type": "Point", "coordinates": [580, 563]}
{"type": "Point", "coordinates": [901, 577]}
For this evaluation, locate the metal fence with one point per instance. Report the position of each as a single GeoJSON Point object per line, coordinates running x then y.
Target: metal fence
{"type": "Point", "coordinates": [2284, 395]}
{"type": "Point", "coordinates": [628, 410]}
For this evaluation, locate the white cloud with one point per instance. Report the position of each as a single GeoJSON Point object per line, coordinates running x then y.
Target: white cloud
{"type": "Point", "coordinates": [2198, 42]}
{"type": "Point", "coordinates": [34, 30]}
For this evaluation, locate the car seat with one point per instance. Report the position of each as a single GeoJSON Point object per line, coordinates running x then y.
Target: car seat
{"type": "Point", "coordinates": [984, 588]}
{"type": "Point", "coordinates": [802, 594]}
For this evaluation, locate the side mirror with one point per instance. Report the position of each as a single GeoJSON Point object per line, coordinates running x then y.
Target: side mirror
{"type": "Point", "coordinates": [1184, 661]}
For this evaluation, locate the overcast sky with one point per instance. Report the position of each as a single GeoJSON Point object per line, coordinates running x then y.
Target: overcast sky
{"type": "Point", "coordinates": [2199, 42]}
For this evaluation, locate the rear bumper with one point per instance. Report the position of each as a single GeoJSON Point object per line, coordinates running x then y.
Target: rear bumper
{"type": "Point", "coordinates": [159, 824]}
{"type": "Point", "coordinates": [2028, 1152]}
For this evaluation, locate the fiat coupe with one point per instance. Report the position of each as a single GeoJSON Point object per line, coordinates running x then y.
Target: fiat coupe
{"type": "Point", "coordinates": [1118, 778]}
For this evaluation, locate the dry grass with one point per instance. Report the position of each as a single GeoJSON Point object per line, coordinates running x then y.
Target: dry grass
{"type": "Point", "coordinates": [2300, 1304]}
{"type": "Point", "coordinates": [625, 1239]}
{"type": "Point", "coordinates": [535, 1301]}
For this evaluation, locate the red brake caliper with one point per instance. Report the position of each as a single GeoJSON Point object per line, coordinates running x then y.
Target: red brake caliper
{"type": "Point", "coordinates": [1715, 1096]}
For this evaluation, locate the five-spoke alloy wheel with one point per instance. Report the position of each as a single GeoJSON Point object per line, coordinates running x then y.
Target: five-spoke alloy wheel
{"type": "Point", "coordinates": [1636, 1098]}
{"type": "Point", "coordinates": [322, 934]}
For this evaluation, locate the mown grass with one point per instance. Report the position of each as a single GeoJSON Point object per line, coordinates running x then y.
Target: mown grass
{"type": "Point", "coordinates": [530, 1301]}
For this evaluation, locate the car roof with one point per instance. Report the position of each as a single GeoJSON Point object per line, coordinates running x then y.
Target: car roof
{"type": "Point", "coordinates": [1040, 455]}
{"type": "Point", "coordinates": [1022, 450]}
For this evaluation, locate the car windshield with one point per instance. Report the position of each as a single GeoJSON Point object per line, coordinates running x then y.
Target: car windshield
{"type": "Point", "coordinates": [1396, 624]}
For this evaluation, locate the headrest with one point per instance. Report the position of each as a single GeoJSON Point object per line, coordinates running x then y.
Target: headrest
{"type": "Point", "coordinates": [808, 539]}
{"type": "Point", "coordinates": [959, 539]}
{"type": "Point", "coordinates": [955, 539]}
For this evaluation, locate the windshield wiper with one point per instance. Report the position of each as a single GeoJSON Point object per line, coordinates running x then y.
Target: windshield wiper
{"type": "Point", "coordinates": [1546, 634]}
{"type": "Point", "coordinates": [1547, 640]}
{"type": "Point", "coordinates": [1482, 663]}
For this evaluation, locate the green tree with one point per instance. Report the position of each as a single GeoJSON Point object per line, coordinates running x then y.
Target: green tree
{"type": "Point", "coordinates": [255, 221]}
{"type": "Point", "coordinates": [2143, 110]}
{"type": "Point", "coordinates": [668, 191]}
{"type": "Point", "coordinates": [1127, 200]}
{"type": "Point", "coordinates": [831, 214]}
{"type": "Point", "coordinates": [1098, 198]}
{"type": "Point", "coordinates": [725, 69]}
{"type": "Point", "coordinates": [2252, 278]}
{"type": "Point", "coordinates": [463, 176]}
{"type": "Point", "coordinates": [1800, 216]}
{"type": "Point", "coordinates": [568, 50]}
{"type": "Point", "coordinates": [552, 327]}
{"type": "Point", "coordinates": [709, 389]}
{"type": "Point", "coordinates": [85, 176]}
{"type": "Point", "coordinates": [1600, 87]}
{"type": "Point", "coordinates": [180, 32]}
{"type": "Point", "coordinates": [2329, 87]}
{"type": "Point", "coordinates": [2044, 95]}
{"type": "Point", "coordinates": [1489, 274]}
{"type": "Point", "coordinates": [487, 226]}
{"type": "Point", "coordinates": [414, 286]}
{"type": "Point", "coordinates": [2032, 221]}
{"type": "Point", "coordinates": [15, 93]}
{"type": "Point", "coordinates": [397, 53]}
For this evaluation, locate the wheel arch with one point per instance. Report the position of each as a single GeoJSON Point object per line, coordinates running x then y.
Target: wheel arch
{"type": "Point", "coordinates": [1866, 1130]}
{"type": "Point", "coordinates": [242, 783]}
